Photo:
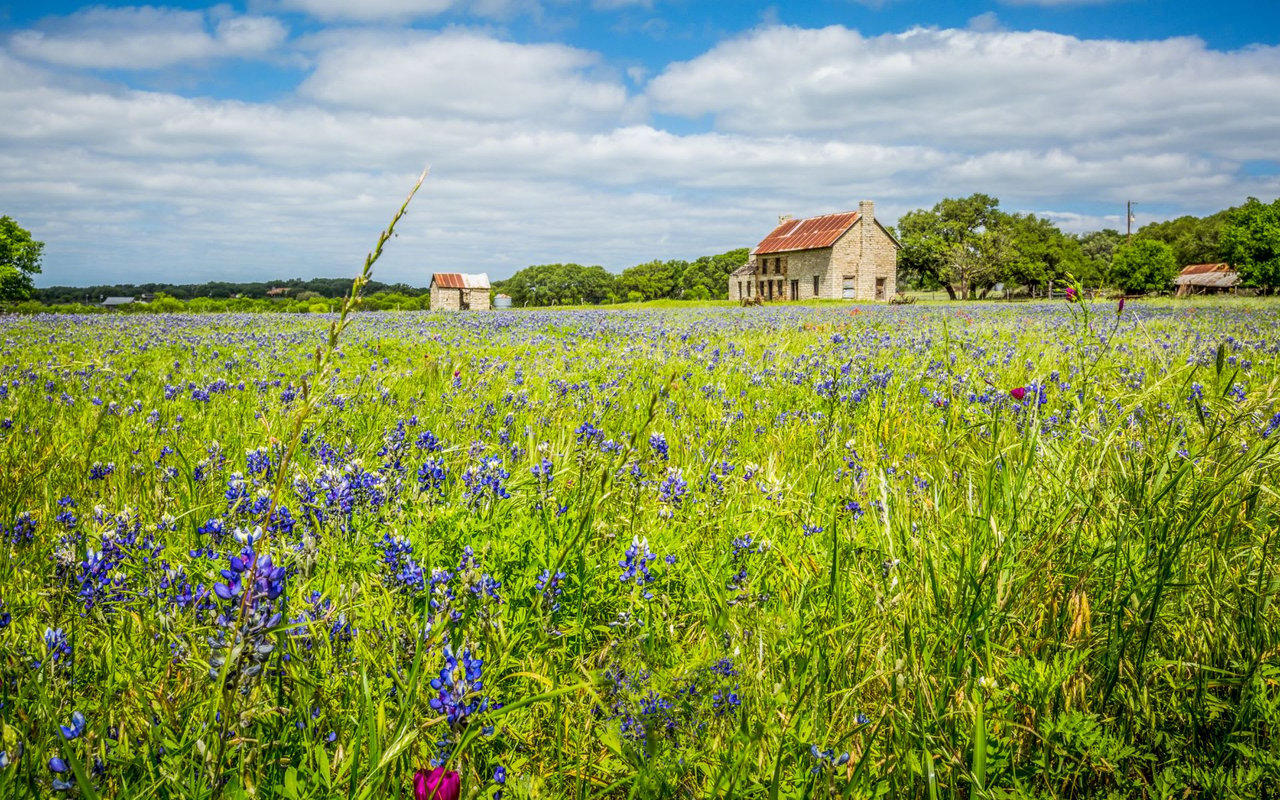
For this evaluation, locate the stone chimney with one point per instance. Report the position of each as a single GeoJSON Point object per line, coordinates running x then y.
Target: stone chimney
{"type": "Point", "coordinates": [867, 217]}
{"type": "Point", "coordinates": [784, 218]}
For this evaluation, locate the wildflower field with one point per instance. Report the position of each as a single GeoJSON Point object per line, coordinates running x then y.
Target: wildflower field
{"type": "Point", "coordinates": [964, 551]}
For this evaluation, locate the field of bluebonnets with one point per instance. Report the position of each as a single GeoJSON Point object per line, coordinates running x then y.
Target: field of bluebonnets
{"type": "Point", "coordinates": [962, 551]}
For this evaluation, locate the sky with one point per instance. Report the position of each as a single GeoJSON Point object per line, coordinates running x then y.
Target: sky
{"type": "Point", "coordinates": [268, 139]}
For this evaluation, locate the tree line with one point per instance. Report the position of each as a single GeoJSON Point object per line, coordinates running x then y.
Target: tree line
{"type": "Point", "coordinates": [326, 288]}
{"type": "Point", "coordinates": [705, 278]}
{"type": "Point", "coordinates": [969, 247]}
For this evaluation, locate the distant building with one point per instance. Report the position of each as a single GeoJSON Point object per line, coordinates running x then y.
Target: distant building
{"type": "Point", "coordinates": [1206, 279]}
{"type": "Point", "coordinates": [116, 302]}
{"type": "Point", "coordinates": [457, 291]}
{"type": "Point", "coordinates": [845, 256]}
{"type": "Point", "coordinates": [502, 301]}
{"type": "Point", "coordinates": [278, 291]}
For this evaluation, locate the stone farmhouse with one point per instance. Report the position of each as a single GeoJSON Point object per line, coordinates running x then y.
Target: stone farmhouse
{"type": "Point", "coordinates": [845, 256]}
{"type": "Point", "coordinates": [458, 291]}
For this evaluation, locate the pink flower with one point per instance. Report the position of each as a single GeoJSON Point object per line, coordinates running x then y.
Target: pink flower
{"type": "Point", "coordinates": [1071, 294]}
{"type": "Point", "coordinates": [436, 785]}
{"type": "Point", "coordinates": [1120, 307]}
{"type": "Point", "coordinates": [1018, 392]}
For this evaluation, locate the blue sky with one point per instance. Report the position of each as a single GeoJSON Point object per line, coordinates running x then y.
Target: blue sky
{"type": "Point", "coordinates": [272, 138]}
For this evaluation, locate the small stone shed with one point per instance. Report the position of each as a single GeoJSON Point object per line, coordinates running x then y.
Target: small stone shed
{"type": "Point", "coordinates": [459, 291]}
{"type": "Point", "coordinates": [844, 256]}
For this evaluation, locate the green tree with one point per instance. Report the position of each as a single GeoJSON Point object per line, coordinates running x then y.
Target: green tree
{"type": "Point", "coordinates": [558, 284]}
{"type": "Point", "coordinates": [1194, 240]}
{"type": "Point", "coordinates": [712, 274]}
{"type": "Point", "coordinates": [1039, 252]}
{"type": "Point", "coordinates": [1143, 265]}
{"type": "Point", "coordinates": [19, 260]}
{"type": "Point", "coordinates": [653, 279]}
{"type": "Point", "coordinates": [957, 243]}
{"type": "Point", "coordinates": [1251, 242]}
{"type": "Point", "coordinates": [1098, 249]}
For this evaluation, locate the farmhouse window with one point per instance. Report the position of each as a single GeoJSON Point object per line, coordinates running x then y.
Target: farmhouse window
{"type": "Point", "coordinates": [815, 285]}
{"type": "Point", "coordinates": [846, 288]}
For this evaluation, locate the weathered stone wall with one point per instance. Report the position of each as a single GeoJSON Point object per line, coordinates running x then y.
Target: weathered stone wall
{"type": "Point", "coordinates": [865, 253]}
{"type": "Point", "coordinates": [803, 265]}
{"type": "Point", "coordinates": [445, 299]}
{"type": "Point", "coordinates": [478, 299]}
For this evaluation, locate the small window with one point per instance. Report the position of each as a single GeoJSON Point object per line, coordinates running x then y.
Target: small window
{"type": "Point", "coordinates": [847, 290]}
{"type": "Point", "coordinates": [815, 286]}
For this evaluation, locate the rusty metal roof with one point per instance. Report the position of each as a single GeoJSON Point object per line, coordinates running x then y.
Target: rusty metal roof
{"type": "Point", "coordinates": [807, 234]}
{"type": "Point", "coordinates": [460, 280]}
{"type": "Point", "coordinates": [1200, 269]}
{"type": "Point", "coordinates": [1217, 280]}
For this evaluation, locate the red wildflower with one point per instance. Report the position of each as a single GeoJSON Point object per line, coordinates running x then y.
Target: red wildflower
{"type": "Point", "coordinates": [1018, 392]}
{"type": "Point", "coordinates": [436, 785]}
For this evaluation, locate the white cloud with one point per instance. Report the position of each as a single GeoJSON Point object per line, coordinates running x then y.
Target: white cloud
{"type": "Point", "coordinates": [146, 37]}
{"type": "Point", "coordinates": [541, 154]}
{"type": "Point", "coordinates": [973, 89]}
{"type": "Point", "coordinates": [461, 74]}
{"type": "Point", "coordinates": [986, 22]}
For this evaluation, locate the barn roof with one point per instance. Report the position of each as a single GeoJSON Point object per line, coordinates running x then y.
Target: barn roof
{"type": "Point", "coordinates": [460, 280]}
{"type": "Point", "coordinates": [1200, 269]}
{"type": "Point", "coordinates": [1216, 280]}
{"type": "Point", "coordinates": [807, 234]}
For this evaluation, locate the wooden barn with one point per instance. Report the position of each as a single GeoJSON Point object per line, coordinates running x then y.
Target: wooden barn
{"type": "Point", "coordinates": [1206, 279]}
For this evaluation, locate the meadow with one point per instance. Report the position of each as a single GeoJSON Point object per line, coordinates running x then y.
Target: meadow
{"type": "Point", "coordinates": [926, 551]}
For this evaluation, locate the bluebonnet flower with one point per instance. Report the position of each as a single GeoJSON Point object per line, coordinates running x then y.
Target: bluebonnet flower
{"type": "Point", "coordinates": [432, 476]}
{"type": "Point", "coordinates": [483, 481]}
{"type": "Point", "coordinates": [75, 729]}
{"type": "Point", "coordinates": [251, 589]}
{"type": "Point", "coordinates": [548, 586]}
{"type": "Point", "coordinates": [258, 462]}
{"type": "Point", "coordinates": [23, 530]}
{"type": "Point", "coordinates": [100, 471]}
{"type": "Point", "coordinates": [56, 645]}
{"type": "Point", "coordinates": [827, 759]}
{"type": "Point", "coordinates": [542, 471]}
{"type": "Point", "coordinates": [399, 569]}
{"type": "Point", "coordinates": [1271, 426]}
{"type": "Point", "coordinates": [5, 617]}
{"type": "Point", "coordinates": [744, 549]}
{"type": "Point", "coordinates": [588, 433]}
{"type": "Point", "coordinates": [658, 443]}
{"type": "Point", "coordinates": [458, 686]}
{"type": "Point", "coordinates": [66, 517]}
{"type": "Point", "coordinates": [59, 767]}
{"type": "Point", "coordinates": [810, 530]}
{"type": "Point", "coordinates": [635, 565]}
{"type": "Point", "coordinates": [673, 488]}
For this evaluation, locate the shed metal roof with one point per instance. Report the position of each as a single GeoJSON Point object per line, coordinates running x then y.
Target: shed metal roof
{"type": "Point", "coordinates": [460, 280]}
{"type": "Point", "coordinates": [1200, 269]}
{"type": "Point", "coordinates": [1216, 280]}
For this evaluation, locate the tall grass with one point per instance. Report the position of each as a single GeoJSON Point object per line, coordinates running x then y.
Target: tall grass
{"type": "Point", "coordinates": [889, 576]}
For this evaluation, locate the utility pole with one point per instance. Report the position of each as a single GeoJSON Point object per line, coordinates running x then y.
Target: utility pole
{"type": "Point", "coordinates": [1128, 222]}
